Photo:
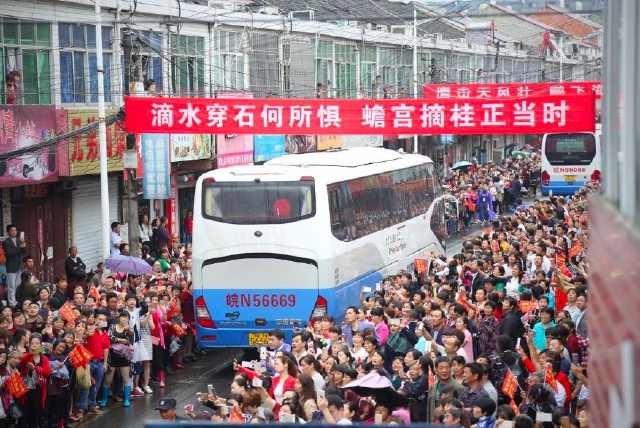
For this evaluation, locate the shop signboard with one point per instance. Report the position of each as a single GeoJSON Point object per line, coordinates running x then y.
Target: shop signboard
{"type": "Point", "coordinates": [22, 127]}
{"type": "Point", "coordinates": [350, 141]}
{"type": "Point", "coordinates": [190, 147]}
{"type": "Point", "coordinates": [267, 147]}
{"type": "Point", "coordinates": [84, 150]}
{"type": "Point", "coordinates": [327, 142]}
{"type": "Point", "coordinates": [156, 182]}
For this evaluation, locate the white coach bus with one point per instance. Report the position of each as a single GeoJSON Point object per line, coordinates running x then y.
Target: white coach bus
{"type": "Point", "coordinates": [279, 244]}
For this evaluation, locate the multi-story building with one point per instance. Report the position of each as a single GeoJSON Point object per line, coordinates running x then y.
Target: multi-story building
{"type": "Point", "coordinates": [192, 49]}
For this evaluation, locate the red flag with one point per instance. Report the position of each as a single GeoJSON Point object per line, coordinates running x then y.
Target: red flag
{"type": "Point", "coordinates": [550, 379]}
{"type": "Point", "coordinates": [510, 385]}
{"type": "Point", "coordinates": [79, 356]}
{"type": "Point", "coordinates": [16, 386]}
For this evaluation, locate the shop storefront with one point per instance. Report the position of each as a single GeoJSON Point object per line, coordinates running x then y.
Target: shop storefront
{"type": "Point", "coordinates": [84, 169]}
{"type": "Point", "coordinates": [36, 196]}
{"type": "Point", "coordinates": [190, 157]}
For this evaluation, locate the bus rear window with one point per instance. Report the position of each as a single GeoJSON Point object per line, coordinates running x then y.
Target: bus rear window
{"type": "Point", "coordinates": [570, 149]}
{"type": "Point", "coordinates": [267, 202]}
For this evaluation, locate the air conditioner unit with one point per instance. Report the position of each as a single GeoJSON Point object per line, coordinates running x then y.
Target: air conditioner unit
{"type": "Point", "coordinates": [399, 29]}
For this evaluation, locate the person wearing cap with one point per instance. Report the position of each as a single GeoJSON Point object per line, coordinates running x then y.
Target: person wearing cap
{"type": "Point", "coordinates": [167, 409]}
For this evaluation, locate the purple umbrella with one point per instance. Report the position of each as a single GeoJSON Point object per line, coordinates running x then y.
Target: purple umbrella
{"type": "Point", "coordinates": [128, 264]}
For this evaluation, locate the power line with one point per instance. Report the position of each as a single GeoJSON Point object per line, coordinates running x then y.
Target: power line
{"type": "Point", "coordinates": [109, 120]}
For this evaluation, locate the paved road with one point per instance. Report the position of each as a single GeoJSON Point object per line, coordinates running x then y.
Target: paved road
{"type": "Point", "coordinates": [214, 368]}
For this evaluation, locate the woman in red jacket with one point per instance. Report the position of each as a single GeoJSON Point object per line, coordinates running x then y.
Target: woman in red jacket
{"type": "Point", "coordinates": [35, 371]}
{"type": "Point", "coordinates": [284, 379]}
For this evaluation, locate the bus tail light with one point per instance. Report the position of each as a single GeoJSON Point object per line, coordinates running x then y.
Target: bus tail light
{"type": "Point", "coordinates": [307, 178]}
{"type": "Point", "coordinates": [546, 178]}
{"type": "Point", "coordinates": [203, 315]}
{"type": "Point", "coordinates": [595, 176]}
{"type": "Point", "coordinates": [209, 180]}
{"type": "Point", "coordinates": [319, 309]}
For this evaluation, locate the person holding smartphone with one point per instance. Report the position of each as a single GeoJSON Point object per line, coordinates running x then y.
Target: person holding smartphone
{"type": "Point", "coordinates": [14, 249]}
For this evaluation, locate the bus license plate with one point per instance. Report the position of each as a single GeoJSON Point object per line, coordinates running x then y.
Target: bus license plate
{"type": "Point", "coordinates": [256, 339]}
{"type": "Point", "coordinates": [570, 178]}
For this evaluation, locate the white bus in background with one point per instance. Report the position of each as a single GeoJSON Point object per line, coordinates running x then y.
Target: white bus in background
{"type": "Point", "coordinates": [280, 244]}
{"type": "Point", "coordinates": [569, 161]}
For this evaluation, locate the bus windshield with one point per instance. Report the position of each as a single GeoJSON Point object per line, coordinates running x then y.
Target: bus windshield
{"type": "Point", "coordinates": [570, 149]}
{"type": "Point", "coordinates": [266, 202]}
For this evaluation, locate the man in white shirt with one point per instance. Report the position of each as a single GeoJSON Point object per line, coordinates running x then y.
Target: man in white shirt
{"type": "Point", "coordinates": [116, 240]}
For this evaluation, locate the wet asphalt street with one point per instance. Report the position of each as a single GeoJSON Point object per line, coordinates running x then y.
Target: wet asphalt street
{"type": "Point", "coordinates": [213, 368]}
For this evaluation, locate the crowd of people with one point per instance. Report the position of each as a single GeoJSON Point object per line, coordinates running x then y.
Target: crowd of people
{"type": "Point", "coordinates": [494, 336]}
{"type": "Point", "coordinates": [73, 347]}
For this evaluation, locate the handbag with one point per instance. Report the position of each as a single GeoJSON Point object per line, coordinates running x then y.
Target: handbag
{"type": "Point", "coordinates": [83, 377]}
{"type": "Point", "coordinates": [122, 350]}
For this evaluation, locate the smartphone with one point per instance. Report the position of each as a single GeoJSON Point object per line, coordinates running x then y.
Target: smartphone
{"type": "Point", "coordinates": [517, 343]}
{"type": "Point", "coordinates": [22, 236]}
{"type": "Point", "coordinates": [211, 390]}
{"type": "Point", "coordinates": [544, 417]}
{"type": "Point", "coordinates": [321, 395]}
{"type": "Point", "coordinates": [366, 289]}
{"type": "Point", "coordinates": [247, 364]}
{"type": "Point", "coordinates": [263, 353]}
{"type": "Point", "coordinates": [287, 419]}
{"type": "Point", "coordinates": [256, 382]}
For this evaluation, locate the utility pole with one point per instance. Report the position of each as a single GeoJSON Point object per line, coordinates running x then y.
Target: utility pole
{"type": "Point", "coordinates": [415, 66]}
{"type": "Point", "coordinates": [129, 43]}
{"type": "Point", "coordinates": [561, 55]}
{"type": "Point", "coordinates": [102, 138]}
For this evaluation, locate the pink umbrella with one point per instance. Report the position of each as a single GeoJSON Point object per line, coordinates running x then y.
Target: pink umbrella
{"type": "Point", "coordinates": [380, 388]}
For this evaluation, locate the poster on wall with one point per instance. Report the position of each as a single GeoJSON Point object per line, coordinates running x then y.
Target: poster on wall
{"type": "Point", "coordinates": [328, 142]}
{"type": "Point", "coordinates": [300, 144]}
{"type": "Point", "coordinates": [84, 150]}
{"type": "Point", "coordinates": [350, 141]}
{"type": "Point", "coordinates": [189, 147]}
{"type": "Point", "coordinates": [234, 150]}
{"type": "Point", "coordinates": [156, 182]}
{"type": "Point", "coordinates": [25, 126]}
{"type": "Point", "coordinates": [267, 147]}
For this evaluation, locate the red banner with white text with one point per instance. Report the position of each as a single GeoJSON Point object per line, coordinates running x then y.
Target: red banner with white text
{"type": "Point", "coordinates": [497, 91]}
{"type": "Point", "coordinates": [535, 115]}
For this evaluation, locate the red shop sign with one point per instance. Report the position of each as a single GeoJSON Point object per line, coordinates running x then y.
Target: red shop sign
{"type": "Point", "coordinates": [497, 91]}
{"type": "Point", "coordinates": [535, 115]}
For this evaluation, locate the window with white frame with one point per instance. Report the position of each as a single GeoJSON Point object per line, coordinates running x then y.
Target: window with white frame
{"type": "Point", "coordinates": [368, 70]}
{"type": "Point", "coordinates": [78, 62]}
{"type": "Point", "coordinates": [228, 61]}
{"type": "Point", "coordinates": [345, 71]}
{"type": "Point", "coordinates": [25, 47]}
{"type": "Point", "coordinates": [324, 68]}
{"type": "Point", "coordinates": [187, 65]}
